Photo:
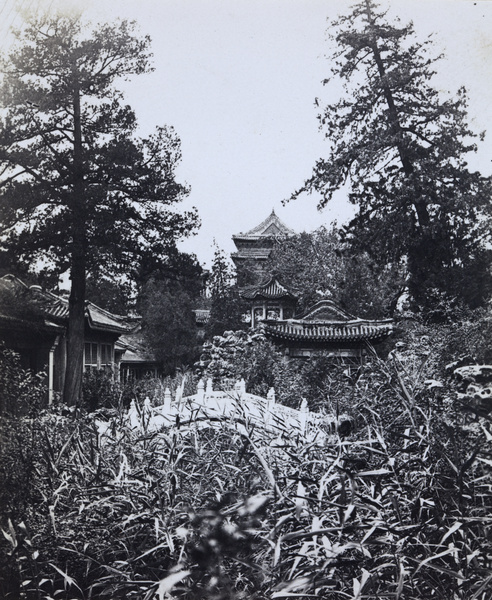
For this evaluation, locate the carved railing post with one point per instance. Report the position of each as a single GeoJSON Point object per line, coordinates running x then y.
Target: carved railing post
{"type": "Point", "coordinates": [270, 405]}
{"type": "Point", "coordinates": [133, 415]}
{"type": "Point", "coordinates": [147, 412]}
{"type": "Point", "coordinates": [178, 396]}
{"type": "Point", "coordinates": [200, 391]}
{"type": "Point", "coordinates": [167, 401]}
{"type": "Point", "coordinates": [303, 413]}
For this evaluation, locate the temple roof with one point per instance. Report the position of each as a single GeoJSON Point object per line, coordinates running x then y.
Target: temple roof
{"type": "Point", "coordinates": [326, 322]}
{"type": "Point", "coordinates": [56, 308]}
{"type": "Point", "coordinates": [326, 310]}
{"type": "Point", "coordinates": [272, 226]}
{"type": "Point", "coordinates": [348, 332]}
{"type": "Point", "coordinates": [270, 290]}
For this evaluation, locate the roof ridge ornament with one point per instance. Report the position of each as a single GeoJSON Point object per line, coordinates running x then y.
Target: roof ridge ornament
{"type": "Point", "coordinates": [261, 230]}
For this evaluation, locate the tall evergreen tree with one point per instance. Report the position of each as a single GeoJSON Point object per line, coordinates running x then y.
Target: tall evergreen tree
{"type": "Point", "coordinates": [78, 190]}
{"type": "Point", "coordinates": [402, 149]}
{"type": "Point", "coordinates": [227, 307]}
{"type": "Point", "coordinates": [168, 323]}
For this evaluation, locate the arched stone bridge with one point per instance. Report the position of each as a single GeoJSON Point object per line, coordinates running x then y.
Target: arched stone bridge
{"type": "Point", "coordinates": [236, 408]}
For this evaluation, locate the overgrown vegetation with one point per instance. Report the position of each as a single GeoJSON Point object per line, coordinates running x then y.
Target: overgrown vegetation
{"type": "Point", "coordinates": [398, 506]}
{"type": "Point", "coordinates": [321, 263]}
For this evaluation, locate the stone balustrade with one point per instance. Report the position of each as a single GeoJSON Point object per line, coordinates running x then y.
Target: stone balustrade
{"type": "Point", "coordinates": [236, 407]}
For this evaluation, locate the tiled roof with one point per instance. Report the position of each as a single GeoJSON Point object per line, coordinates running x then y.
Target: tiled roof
{"type": "Point", "coordinates": [326, 310]}
{"type": "Point", "coordinates": [136, 354]}
{"type": "Point", "coordinates": [272, 226]}
{"type": "Point", "coordinates": [102, 319]}
{"type": "Point", "coordinates": [133, 348]}
{"type": "Point", "coordinates": [351, 331]}
{"type": "Point", "coordinates": [97, 317]}
{"type": "Point", "coordinates": [270, 289]}
{"type": "Point", "coordinates": [36, 321]}
{"type": "Point", "coordinates": [327, 322]}
{"type": "Point", "coordinates": [57, 308]}
{"type": "Point", "coordinates": [12, 323]}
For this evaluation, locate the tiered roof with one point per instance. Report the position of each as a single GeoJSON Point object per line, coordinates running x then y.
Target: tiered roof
{"type": "Point", "coordinates": [256, 244]}
{"type": "Point", "coordinates": [272, 226]}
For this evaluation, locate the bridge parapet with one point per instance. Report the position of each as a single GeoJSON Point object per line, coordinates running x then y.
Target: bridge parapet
{"type": "Point", "coordinates": [237, 408]}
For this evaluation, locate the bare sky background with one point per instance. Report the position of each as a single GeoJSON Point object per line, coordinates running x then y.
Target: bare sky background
{"type": "Point", "coordinates": [238, 78]}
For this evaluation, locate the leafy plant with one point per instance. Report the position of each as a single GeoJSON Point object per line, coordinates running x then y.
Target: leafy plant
{"type": "Point", "coordinates": [399, 504]}
{"type": "Point", "coordinates": [21, 391]}
{"type": "Point", "coordinates": [100, 390]}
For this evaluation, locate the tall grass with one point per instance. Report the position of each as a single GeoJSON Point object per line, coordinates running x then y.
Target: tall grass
{"type": "Point", "coordinates": [399, 508]}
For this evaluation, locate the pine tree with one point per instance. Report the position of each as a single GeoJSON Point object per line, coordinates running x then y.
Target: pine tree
{"type": "Point", "coordinates": [402, 149]}
{"type": "Point", "coordinates": [78, 190]}
{"type": "Point", "coordinates": [168, 323]}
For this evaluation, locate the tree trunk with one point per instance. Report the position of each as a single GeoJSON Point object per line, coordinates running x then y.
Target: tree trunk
{"type": "Point", "coordinates": [72, 392]}
{"type": "Point", "coordinates": [418, 203]}
{"type": "Point", "coordinates": [75, 342]}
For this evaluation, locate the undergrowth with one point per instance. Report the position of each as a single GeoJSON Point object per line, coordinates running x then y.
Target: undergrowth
{"type": "Point", "coordinates": [400, 507]}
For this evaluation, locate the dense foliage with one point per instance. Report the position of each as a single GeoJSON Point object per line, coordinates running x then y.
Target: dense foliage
{"type": "Point", "coordinates": [168, 324]}
{"type": "Point", "coordinates": [252, 357]}
{"type": "Point", "coordinates": [114, 296]}
{"type": "Point", "coordinates": [21, 392]}
{"type": "Point", "coordinates": [402, 148]}
{"type": "Point", "coordinates": [226, 307]}
{"type": "Point", "coordinates": [318, 264]}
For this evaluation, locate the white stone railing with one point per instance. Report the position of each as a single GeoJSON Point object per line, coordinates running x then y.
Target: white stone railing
{"type": "Point", "coordinates": [244, 411]}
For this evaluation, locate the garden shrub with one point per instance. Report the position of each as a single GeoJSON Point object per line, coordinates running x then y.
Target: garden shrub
{"type": "Point", "coordinates": [467, 340]}
{"type": "Point", "coordinates": [21, 391]}
{"type": "Point", "coordinates": [325, 384]}
{"type": "Point", "coordinates": [100, 390]}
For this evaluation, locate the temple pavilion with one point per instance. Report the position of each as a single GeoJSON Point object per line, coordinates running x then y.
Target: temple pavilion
{"type": "Point", "coordinates": [268, 301]}
{"type": "Point", "coordinates": [325, 327]}
{"type": "Point", "coordinates": [329, 329]}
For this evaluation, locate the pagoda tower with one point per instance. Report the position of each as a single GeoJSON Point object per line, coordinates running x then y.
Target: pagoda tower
{"type": "Point", "coordinates": [254, 248]}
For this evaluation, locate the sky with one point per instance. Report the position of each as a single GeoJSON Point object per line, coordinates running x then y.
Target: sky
{"type": "Point", "coordinates": [238, 79]}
